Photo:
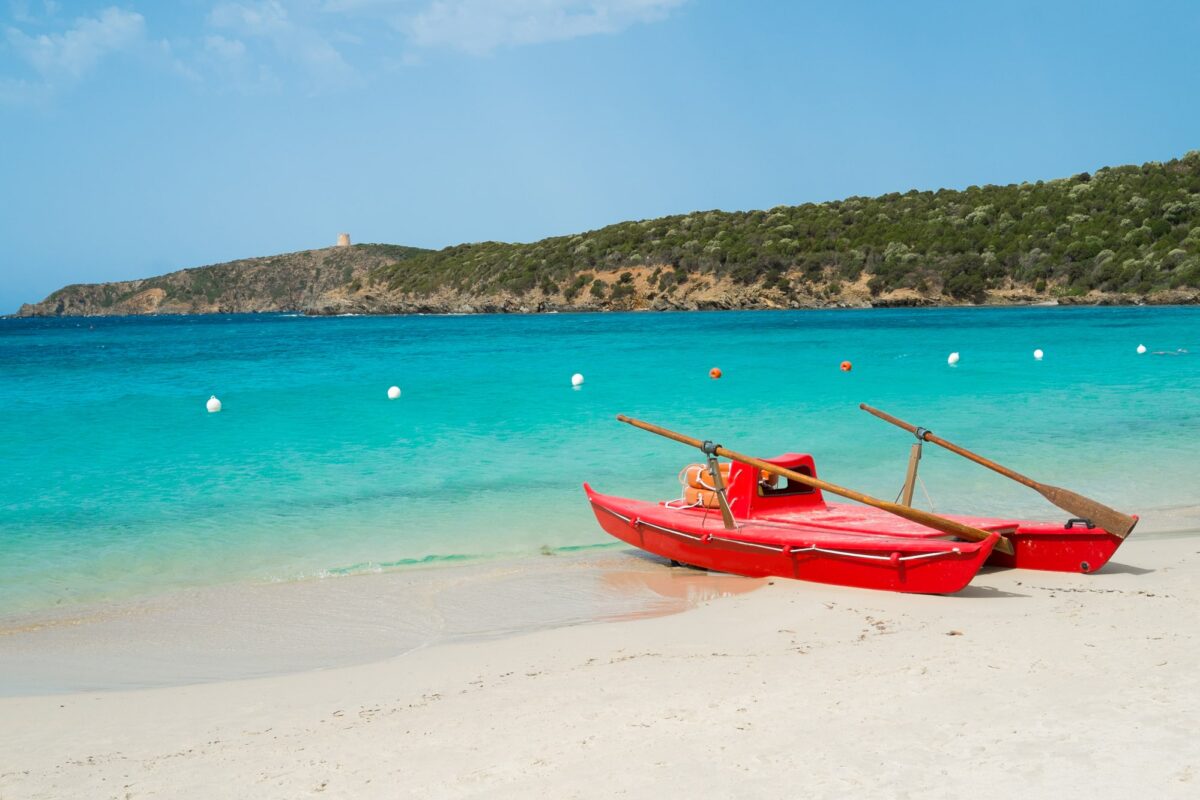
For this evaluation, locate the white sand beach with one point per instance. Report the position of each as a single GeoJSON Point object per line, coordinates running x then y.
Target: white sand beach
{"type": "Point", "coordinates": [1027, 684]}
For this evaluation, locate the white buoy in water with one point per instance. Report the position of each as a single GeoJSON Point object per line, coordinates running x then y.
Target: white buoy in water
{"type": "Point", "coordinates": [213, 405]}
{"type": "Point", "coordinates": [1141, 349]}
{"type": "Point", "coordinates": [393, 393]}
{"type": "Point", "coordinates": [577, 380]}
{"type": "Point", "coordinates": [952, 359]}
{"type": "Point", "coordinates": [1038, 354]}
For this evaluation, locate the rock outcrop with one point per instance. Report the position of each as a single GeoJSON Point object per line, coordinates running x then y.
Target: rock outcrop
{"type": "Point", "coordinates": [288, 282]}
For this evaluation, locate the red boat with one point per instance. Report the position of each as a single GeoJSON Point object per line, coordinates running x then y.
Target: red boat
{"type": "Point", "coordinates": [785, 528]}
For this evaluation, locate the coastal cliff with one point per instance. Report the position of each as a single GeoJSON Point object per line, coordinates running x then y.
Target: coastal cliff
{"type": "Point", "coordinates": [287, 282]}
{"type": "Point", "coordinates": [1121, 235]}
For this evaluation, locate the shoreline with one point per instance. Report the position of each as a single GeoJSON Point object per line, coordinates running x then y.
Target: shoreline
{"type": "Point", "coordinates": [245, 630]}
{"type": "Point", "coordinates": [835, 689]}
{"type": "Point", "coordinates": [519, 309]}
{"type": "Point", "coordinates": [362, 617]}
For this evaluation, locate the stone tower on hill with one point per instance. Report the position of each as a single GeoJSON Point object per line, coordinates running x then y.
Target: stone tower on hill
{"type": "Point", "coordinates": [343, 240]}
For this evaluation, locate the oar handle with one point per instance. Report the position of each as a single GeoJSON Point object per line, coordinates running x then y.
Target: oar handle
{"type": "Point", "coordinates": [915, 515]}
{"type": "Point", "coordinates": [647, 426]}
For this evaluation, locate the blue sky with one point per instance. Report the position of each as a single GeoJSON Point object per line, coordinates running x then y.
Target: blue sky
{"type": "Point", "coordinates": [140, 137]}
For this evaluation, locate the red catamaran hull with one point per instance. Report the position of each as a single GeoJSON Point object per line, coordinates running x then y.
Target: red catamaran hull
{"type": "Point", "coordinates": [877, 561]}
{"type": "Point", "coordinates": [1046, 546]}
{"type": "Point", "coordinates": [791, 532]}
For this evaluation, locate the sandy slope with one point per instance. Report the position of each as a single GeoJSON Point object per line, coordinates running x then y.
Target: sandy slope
{"type": "Point", "coordinates": [1027, 684]}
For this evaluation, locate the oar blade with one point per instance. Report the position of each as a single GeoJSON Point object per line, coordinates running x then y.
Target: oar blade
{"type": "Point", "coordinates": [1099, 514]}
{"type": "Point", "coordinates": [1074, 503]}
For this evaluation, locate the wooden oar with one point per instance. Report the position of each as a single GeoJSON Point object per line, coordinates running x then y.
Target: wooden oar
{"type": "Point", "coordinates": [916, 515]}
{"type": "Point", "coordinates": [1073, 503]}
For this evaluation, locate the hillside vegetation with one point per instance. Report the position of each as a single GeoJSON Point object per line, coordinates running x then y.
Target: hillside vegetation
{"type": "Point", "coordinates": [1117, 235]}
{"type": "Point", "coordinates": [1120, 230]}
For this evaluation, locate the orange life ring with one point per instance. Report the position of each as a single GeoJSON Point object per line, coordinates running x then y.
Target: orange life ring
{"type": "Point", "coordinates": [701, 497]}
{"type": "Point", "coordinates": [697, 476]}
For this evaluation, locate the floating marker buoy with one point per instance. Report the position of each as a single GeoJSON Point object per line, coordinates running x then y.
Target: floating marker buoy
{"type": "Point", "coordinates": [1038, 354]}
{"type": "Point", "coordinates": [847, 366]}
{"type": "Point", "coordinates": [952, 359]}
{"type": "Point", "coordinates": [393, 393]}
{"type": "Point", "coordinates": [213, 405]}
{"type": "Point", "coordinates": [714, 373]}
{"type": "Point", "coordinates": [1141, 349]}
{"type": "Point", "coordinates": [577, 379]}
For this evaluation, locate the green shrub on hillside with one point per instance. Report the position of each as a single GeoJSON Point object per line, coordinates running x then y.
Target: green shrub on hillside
{"type": "Point", "coordinates": [1130, 228]}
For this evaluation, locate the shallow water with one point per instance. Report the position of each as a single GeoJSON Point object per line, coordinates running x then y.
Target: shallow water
{"type": "Point", "coordinates": [117, 484]}
{"type": "Point", "coordinates": [257, 630]}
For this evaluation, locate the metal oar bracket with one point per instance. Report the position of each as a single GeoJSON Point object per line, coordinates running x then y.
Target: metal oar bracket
{"type": "Point", "coordinates": [709, 449]}
{"type": "Point", "coordinates": [914, 461]}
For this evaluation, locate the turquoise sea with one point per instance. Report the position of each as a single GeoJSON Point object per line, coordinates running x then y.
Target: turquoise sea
{"type": "Point", "coordinates": [116, 482]}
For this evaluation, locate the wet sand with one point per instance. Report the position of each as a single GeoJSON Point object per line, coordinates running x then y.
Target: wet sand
{"type": "Point", "coordinates": [257, 630]}
{"type": "Point", "coordinates": [1026, 684]}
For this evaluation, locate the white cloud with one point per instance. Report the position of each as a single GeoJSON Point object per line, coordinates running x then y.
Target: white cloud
{"type": "Point", "coordinates": [269, 20]}
{"type": "Point", "coordinates": [19, 10]}
{"type": "Point", "coordinates": [228, 50]}
{"type": "Point", "coordinates": [480, 26]}
{"type": "Point", "coordinates": [70, 55]}
{"type": "Point", "coordinates": [257, 45]}
{"type": "Point", "coordinates": [17, 92]}
{"type": "Point", "coordinates": [22, 10]}
{"type": "Point", "coordinates": [230, 63]}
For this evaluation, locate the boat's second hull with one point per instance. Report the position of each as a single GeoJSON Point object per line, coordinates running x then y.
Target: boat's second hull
{"type": "Point", "coordinates": [1046, 546]}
